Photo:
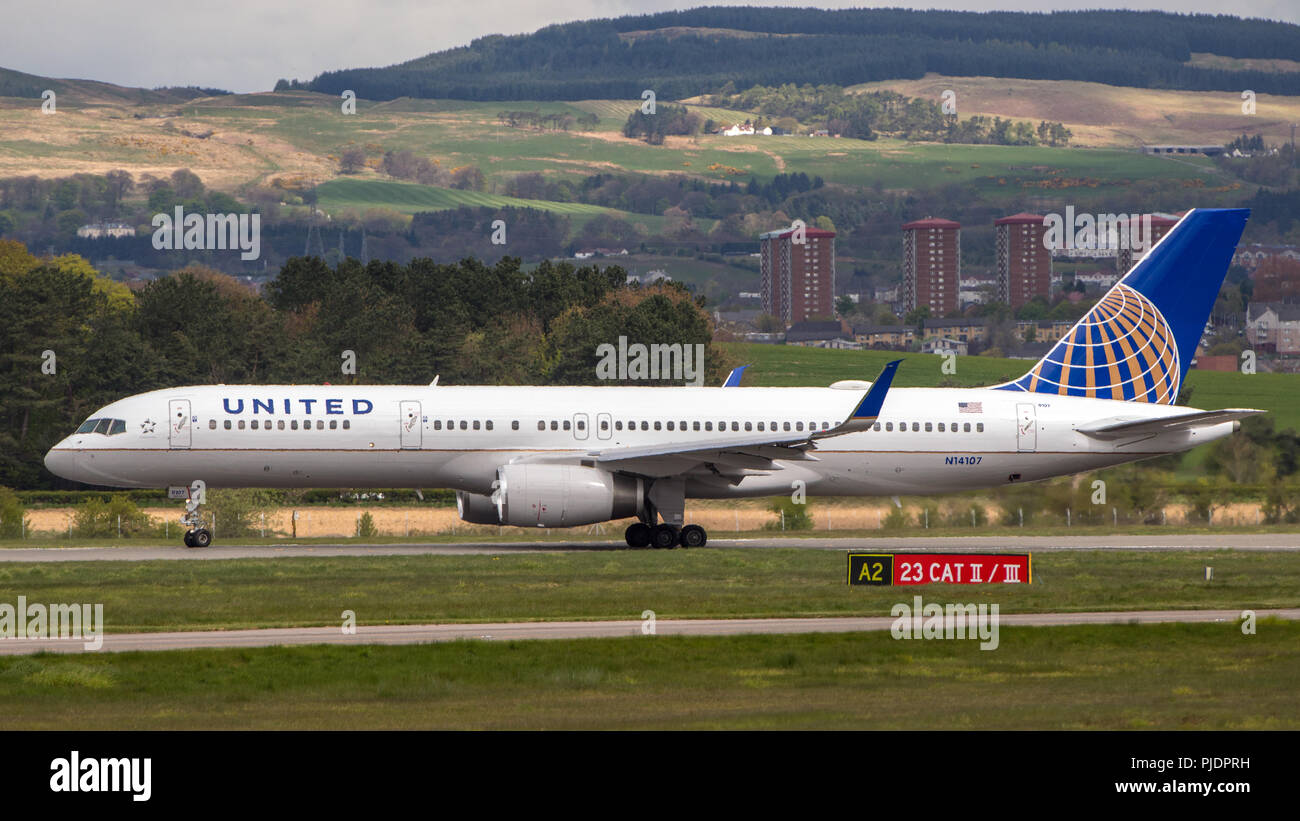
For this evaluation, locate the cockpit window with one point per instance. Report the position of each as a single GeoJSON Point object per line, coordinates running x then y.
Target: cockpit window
{"type": "Point", "coordinates": [108, 427]}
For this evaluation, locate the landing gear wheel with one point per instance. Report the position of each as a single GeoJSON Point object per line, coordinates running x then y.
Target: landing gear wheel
{"type": "Point", "coordinates": [189, 538]}
{"type": "Point", "coordinates": [663, 537]}
{"type": "Point", "coordinates": [694, 536]}
{"type": "Point", "coordinates": [202, 537]}
{"type": "Point", "coordinates": [637, 535]}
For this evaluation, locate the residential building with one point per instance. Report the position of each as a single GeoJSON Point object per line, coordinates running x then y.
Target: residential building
{"type": "Point", "coordinates": [798, 274]}
{"type": "Point", "coordinates": [1024, 263]}
{"type": "Point", "coordinates": [932, 265]}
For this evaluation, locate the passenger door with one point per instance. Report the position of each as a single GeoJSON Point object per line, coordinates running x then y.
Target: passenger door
{"type": "Point", "coordinates": [580, 426]}
{"type": "Point", "coordinates": [179, 423]}
{"type": "Point", "coordinates": [604, 426]}
{"type": "Point", "coordinates": [1026, 427]}
{"type": "Point", "coordinates": [412, 424]}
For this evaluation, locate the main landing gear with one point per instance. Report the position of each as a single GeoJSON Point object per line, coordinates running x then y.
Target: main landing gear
{"type": "Point", "coordinates": [667, 498]}
{"type": "Point", "coordinates": [665, 536]}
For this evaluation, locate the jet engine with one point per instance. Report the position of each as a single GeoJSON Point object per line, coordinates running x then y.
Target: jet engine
{"type": "Point", "coordinates": [553, 496]}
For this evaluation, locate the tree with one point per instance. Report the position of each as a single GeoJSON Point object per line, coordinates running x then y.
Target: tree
{"type": "Point", "coordinates": [352, 160]}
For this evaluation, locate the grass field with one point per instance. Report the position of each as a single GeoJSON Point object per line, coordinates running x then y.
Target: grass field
{"type": "Point", "coordinates": [299, 136]}
{"type": "Point", "coordinates": [735, 583]}
{"type": "Point", "coordinates": [1204, 676]}
{"type": "Point", "coordinates": [789, 365]}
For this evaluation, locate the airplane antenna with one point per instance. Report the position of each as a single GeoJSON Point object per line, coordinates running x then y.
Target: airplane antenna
{"type": "Point", "coordinates": [434, 383]}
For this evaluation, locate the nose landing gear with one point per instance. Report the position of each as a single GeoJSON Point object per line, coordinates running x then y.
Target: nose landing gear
{"type": "Point", "coordinates": [196, 535]}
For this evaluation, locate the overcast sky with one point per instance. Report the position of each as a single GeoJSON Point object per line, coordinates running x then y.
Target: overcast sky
{"type": "Point", "coordinates": [246, 45]}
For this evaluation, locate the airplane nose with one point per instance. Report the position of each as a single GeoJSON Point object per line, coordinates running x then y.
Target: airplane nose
{"type": "Point", "coordinates": [61, 461]}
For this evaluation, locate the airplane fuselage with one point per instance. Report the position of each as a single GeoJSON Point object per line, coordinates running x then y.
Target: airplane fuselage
{"type": "Point", "coordinates": [926, 440]}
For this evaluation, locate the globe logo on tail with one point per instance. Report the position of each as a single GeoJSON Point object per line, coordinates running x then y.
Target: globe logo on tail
{"type": "Point", "coordinates": [1123, 349]}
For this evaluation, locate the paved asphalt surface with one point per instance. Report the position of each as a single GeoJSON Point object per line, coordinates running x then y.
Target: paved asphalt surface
{"type": "Point", "coordinates": [1252, 541]}
{"type": "Point", "coordinates": [424, 633]}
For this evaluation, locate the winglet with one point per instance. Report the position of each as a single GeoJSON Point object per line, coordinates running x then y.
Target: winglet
{"type": "Point", "coordinates": [868, 409]}
{"type": "Point", "coordinates": [733, 378]}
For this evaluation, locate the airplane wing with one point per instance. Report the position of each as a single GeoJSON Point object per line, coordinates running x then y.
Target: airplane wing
{"type": "Point", "coordinates": [736, 457]}
{"type": "Point", "coordinates": [1120, 427]}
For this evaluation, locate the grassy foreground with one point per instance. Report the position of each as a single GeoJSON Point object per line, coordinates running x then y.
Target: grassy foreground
{"type": "Point", "coordinates": [1205, 676]}
{"type": "Point", "coordinates": [251, 593]}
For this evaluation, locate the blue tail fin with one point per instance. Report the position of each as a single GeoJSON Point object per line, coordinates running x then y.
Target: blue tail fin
{"type": "Point", "coordinates": [1138, 341]}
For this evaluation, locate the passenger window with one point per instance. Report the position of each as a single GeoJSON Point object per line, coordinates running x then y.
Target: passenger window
{"type": "Point", "coordinates": [929, 427]}
{"type": "Point", "coordinates": [555, 425]}
{"type": "Point", "coordinates": [334, 424]}
{"type": "Point", "coordinates": [541, 425]}
{"type": "Point", "coordinates": [902, 427]}
{"type": "Point", "coordinates": [889, 426]}
{"type": "Point", "coordinates": [979, 427]}
{"type": "Point", "coordinates": [347, 423]}
{"type": "Point", "coordinates": [695, 426]}
{"type": "Point", "coordinates": [785, 426]}
{"type": "Point", "coordinates": [658, 425]}
{"type": "Point", "coordinates": [464, 425]}
{"type": "Point", "coordinates": [941, 427]}
{"type": "Point", "coordinates": [760, 426]}
{"type": "Point", "coordinates": [241, 424]}
{"type": "Point", "coordinates": [735, 426]}
{"type": "Point", "coordinates": [876, 426]}
{"type": "Point", "coordinates": [320, 424]}
{"type": "Point", "coordinates": [514, 424]}
{"type": "Point", "coordinates": [566, 424]}
{"type": "Point", "coordinates": [670, 424]}
{"type": "Point", "coordinates": [954, 427]}
{"type": "Point", "coordinates": [488, 424]}
{"type": "Point", "coordinates": [749, 426]}
{"type": "Point", "coordinates": [604, 424]}
{"type": "Point", "coordinates": [798, 425]}
{"type": "Point", "coordinates": [293, 425]}
{"type": "Point", "coordinates": [916, 427]}
{"type": "Point", "coordinates": [280, 424]}
{"type": "Point", "coordinates": [475, 424]}
{"type": "Point", "coordinates": [253, 424]}
{"type": "Point", "coordinates": [966, 427]}
{"type": "Point", "coordinates": [212, 425]}
{"type": "Point", "coordinates": [437, 424]}
{"type": "Point", "coordinates": [708, 426]}
{"type": "Point", "coordinates": [645, 425]}
{"type": "Point", "coordinates": [226, 424]}
{"type": "Point", "coordinates": [582, 424]}
{"type": "Point", "coordinates": [618, 425]}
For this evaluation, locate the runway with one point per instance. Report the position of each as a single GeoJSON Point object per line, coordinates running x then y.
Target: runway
{"type": "Point", "coordinates": [1009, 543]}
{"type": "Point", "coordinates": [522, 631]}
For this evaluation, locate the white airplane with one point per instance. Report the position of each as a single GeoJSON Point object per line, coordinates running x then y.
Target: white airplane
{"type": "Point", "coordinates": [566, 456]}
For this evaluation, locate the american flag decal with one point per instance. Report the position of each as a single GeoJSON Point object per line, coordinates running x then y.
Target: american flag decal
{"type": "Point", "coordinates": [970, 407]}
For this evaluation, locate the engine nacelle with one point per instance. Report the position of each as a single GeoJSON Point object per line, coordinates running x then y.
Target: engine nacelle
{"type": "Point", "coordinates": [477, 509]}
{"type": "Point", "coordinates": [554, 496]}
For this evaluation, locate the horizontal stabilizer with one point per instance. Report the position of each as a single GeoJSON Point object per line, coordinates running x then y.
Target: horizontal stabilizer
{"type": "Point", "coordinates": [1121, 427]}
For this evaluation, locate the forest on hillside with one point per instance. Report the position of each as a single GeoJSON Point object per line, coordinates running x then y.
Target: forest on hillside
{"type": "Point", "coordinates": [619, 58]}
